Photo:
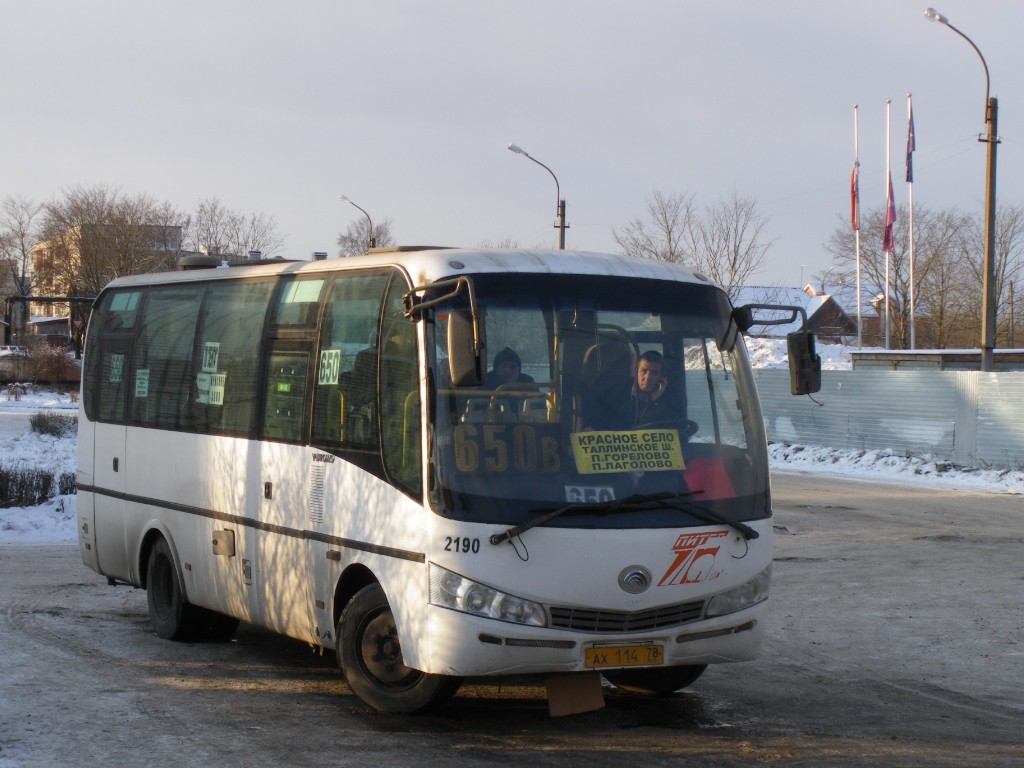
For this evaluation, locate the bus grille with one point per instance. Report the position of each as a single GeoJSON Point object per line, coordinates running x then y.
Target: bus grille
{"type": "Point", "coordinates": [589, 620]}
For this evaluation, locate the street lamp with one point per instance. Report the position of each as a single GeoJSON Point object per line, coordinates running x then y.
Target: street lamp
{"type": "Point", "coordinates": [988, 307]}
{"type": "Point", "coordinates": [560, 207]}
{"type": "Point", "coordinates": [373, 240]}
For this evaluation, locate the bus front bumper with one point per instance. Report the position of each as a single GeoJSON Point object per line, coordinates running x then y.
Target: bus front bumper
{"type": "Point", "coordinates": [470, 646]}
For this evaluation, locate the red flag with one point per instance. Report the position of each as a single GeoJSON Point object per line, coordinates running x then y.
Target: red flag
{"type": "Point", "coordinates": [855, 197]}
{"type": "Point", "coordinates": [890, 219]}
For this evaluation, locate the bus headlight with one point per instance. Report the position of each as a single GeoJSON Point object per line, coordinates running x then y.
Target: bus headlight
{"type": "Point", "coordinates": [451, 590]}
{"type": "Point", "coordinates": [743, 596]}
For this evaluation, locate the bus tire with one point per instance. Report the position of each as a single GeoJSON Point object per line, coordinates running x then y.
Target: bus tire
{"type": "Point", "coordinates": [655, 681]}
{"type": "Point", "coordinates": [370, 657]}
{"type": "Point", "coordinates": [172, 616]}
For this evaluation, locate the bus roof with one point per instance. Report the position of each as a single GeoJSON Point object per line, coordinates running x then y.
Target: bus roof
{"type": "Point", "coordinates": [425, 266]}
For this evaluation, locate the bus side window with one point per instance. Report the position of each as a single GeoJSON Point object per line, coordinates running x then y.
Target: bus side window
{"type": "Point", "coordinates": [110, 338]}
{"type": "Point", "coordinates": [345, 397]}
{"type": "Point", "coordinates": [226, 375]}
{"type": "Point", "coordinates": [160, 387]}
{"type": "Point", "coordinates": [115, 357]}
{"type": "Point", "coordinates": [399, 386]}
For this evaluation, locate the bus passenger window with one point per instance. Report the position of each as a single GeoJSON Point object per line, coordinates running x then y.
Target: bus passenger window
{"type": "Point", "coordinates": [399, 387]}
{"type": "Point", "coordinates": [110, 338]}
{"type": "Point", "coordinates": [227, 373]}
{"type": "Point", "coordinates": [345, 397]}
{"type": "Point", "coordinates": [113, 376]}
{"type": "Point", "coordinates": [299, 302]}
{"type": "Point", "coordinates": [160, 389]}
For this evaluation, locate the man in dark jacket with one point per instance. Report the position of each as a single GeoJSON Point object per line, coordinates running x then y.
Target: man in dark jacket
{"type": "Point", "coordinates": [628, 403]}
{"type": "Point", "coordinates": [507, 371]}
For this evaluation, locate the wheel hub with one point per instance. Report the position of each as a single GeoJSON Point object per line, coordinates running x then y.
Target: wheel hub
{"type": "Point", "coordinates": [382, 652]}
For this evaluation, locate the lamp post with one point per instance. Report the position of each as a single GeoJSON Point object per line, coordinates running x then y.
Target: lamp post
{"type": "Point", "coordinates": [373, 240]}
{"type": "Point", "coordinates": [560, 207]}
{"type": "Point", "coordinates": [988, 307]}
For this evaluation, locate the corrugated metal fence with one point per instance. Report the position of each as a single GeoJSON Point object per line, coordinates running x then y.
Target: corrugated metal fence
{"type": "Point", "coordinates": [965, 417]}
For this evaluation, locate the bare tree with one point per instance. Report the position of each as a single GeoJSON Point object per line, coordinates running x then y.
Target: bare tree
{"type": "Point", "coordinates": [355, 240]}
{"type": "Point", "coordinates": [663, 235]}
{"type": "Point", "coordinates": [724, 241]}
{"type": "Point", "coordinates": [942, 291]}
{"type": "Point", "coordinates": [727, 243]}
{"type": "Point", "coordinates": [218, 230]}
{"type": "Point", "coordinates": [259, 233]}
{"type": "Point", "coordinates": [1009, 265]}
{"type": "Point", "coordinates": [212, 228]}
{"type": "Point", "coordinates": [93, 234]}
{"type": "Point", "coordinates": [18, 231]}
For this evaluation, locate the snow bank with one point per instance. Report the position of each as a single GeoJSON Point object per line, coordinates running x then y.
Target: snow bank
{"type": "Point", "coordinates": [771, 353]}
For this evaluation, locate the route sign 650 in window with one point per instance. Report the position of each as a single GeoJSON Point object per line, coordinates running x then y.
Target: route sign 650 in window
{"type": "Point", "coordinates": [498, 448]}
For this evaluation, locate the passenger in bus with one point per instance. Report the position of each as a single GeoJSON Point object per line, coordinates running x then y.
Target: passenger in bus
{"type": "Point", "coordinates": [507, 373]}
{"type": "Point", "coordinates": [631, 402]}
{"type": "Point", "coordinates": [507, 370]}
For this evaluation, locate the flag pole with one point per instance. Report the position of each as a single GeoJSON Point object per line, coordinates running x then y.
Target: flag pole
{"type": "Point", "coordinates": [888, 200]}
{"type": "Point", "coordinates": [911, 146]}
{"type": "Point", "coordinates": [855, 220]}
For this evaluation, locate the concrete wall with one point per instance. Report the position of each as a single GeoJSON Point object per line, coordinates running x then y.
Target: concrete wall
{"type": "Point", "coordinates": [969, 418]}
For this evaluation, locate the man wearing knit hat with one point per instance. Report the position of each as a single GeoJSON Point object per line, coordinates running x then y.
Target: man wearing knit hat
{"type": "Point", "coordinates": [507, 371]}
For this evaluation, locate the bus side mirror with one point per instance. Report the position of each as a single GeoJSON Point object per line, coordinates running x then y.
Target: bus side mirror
{"type": "Point", "coordinates": [465, 358]}
{"type": "Point", "coordinates": [804, 363]}
{"type": "Point", "coordinates": [743, 317]}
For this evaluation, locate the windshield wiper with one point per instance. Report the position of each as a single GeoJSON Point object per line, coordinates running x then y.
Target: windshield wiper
{"type": "Point", "coordinates": [707, 515]}
{"type": "Point", "coordinates": [634, 503]}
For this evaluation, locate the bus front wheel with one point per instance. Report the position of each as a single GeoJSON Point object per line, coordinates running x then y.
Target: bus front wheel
{"type": "Point", "coordinates": [655, 681]}
{"type": "Point", "coordinates": [370, 657]}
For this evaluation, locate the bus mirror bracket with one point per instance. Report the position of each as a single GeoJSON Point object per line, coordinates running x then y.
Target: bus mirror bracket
{"type": "Point", "coordinates": [804, 362]}
{"type": "Point", "coordinates": [466, 342]}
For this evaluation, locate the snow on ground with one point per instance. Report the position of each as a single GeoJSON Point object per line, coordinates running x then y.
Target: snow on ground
{"type": "Point", "coordinates": [771, 353]}
{"type": "Point", "coordinates": [54, 521]}
{"type": "Point", "coordinates": [21, 448]}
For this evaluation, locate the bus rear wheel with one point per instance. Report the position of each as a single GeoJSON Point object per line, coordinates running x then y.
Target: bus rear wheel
{"type": "Point", "coordinates": [655, 681]}
{"type": "Point", "coordinates": [370, 657]}
{"type": "Point", "coordinates": [173, 617]}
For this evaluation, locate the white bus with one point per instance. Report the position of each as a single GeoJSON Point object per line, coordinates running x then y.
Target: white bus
{"type": "Point", "coordinates": [321, 448]}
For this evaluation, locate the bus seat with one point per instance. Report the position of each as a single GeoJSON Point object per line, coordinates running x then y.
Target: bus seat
{"type": "Point", "coordinates": [606, 358]}
{"type": "Point", "coordinates": [535, 409]}
{"type": "Point", "coordinates": [488, 409]}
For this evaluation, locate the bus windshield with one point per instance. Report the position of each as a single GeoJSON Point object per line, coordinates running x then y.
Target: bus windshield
{"type": "Point", "coordinates": [598, 389]}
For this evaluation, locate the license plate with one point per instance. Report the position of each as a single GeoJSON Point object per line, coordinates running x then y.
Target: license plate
{"type": "Point", "coordinates": [609, 656]}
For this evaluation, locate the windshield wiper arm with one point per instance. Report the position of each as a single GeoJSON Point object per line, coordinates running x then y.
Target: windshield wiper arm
{"type": "Point", "coordinates": [630, 503]}
{"type": "Point", "coordinates": [708, 515]}
{"type": "Point", "coordinates": [636, 502]}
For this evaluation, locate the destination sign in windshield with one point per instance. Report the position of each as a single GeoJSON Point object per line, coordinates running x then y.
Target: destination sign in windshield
{"type": "Point", "coordinates": [640, 450]}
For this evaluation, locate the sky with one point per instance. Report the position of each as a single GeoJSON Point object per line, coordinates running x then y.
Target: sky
{"type": "Point", "coordinates": [407, 107]}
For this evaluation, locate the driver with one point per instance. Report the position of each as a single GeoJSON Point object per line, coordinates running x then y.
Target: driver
{"type": "Point", "coordinates": [633, 402]}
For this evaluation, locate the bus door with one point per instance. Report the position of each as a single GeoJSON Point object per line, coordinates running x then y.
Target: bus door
{"type": "Point", "coordinates": [280, 583]}
{"type": "Point", "coordinates": [110, 459]}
